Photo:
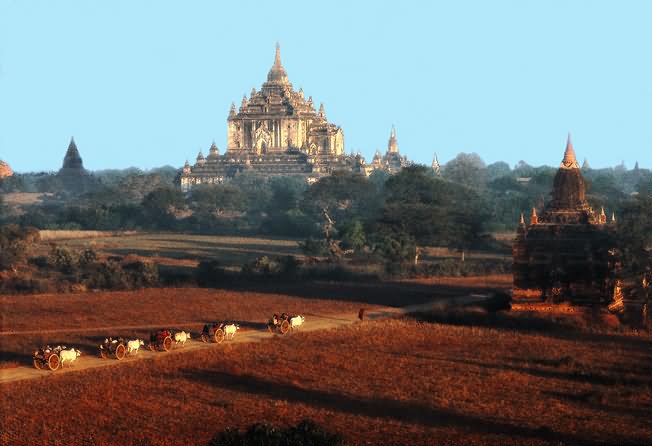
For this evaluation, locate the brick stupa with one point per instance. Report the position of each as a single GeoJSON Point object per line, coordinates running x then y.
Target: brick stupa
{"type": "Point", "coordinates": [562, 253]}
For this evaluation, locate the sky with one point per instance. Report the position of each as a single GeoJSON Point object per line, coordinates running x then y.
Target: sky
{"type": "Point", "coordinates": [150, 83]}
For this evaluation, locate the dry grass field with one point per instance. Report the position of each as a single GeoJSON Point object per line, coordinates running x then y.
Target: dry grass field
{"type": "Point", "coordinates": [84, 319]}
{"type": "Point", "coordinates": [390, 382]}
{"type": "Point", "coordinates": [230, 250]}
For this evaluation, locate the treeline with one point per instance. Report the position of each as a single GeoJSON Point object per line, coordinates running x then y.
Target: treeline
{"type": "Point", "coordinates": [414, 207]}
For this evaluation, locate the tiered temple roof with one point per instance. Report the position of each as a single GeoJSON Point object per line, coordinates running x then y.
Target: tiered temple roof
{"type": "Point", "coordinates": [563, 253]}
{"type": "Point", "coordinates": [74, 177]}
{"type": "Point", "coordinates": [275, 131]}
{"type": "Point", "coordinates": [392, 161]}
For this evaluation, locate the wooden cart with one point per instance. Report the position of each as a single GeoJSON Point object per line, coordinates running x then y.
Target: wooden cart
{"type": "Point", "coordinates": [279, 324]}
{"type": "Point", "coordinates": [213, 332]}
{"type": "Point", "coordinates": [160, 340]}
{"type": "Point", "coordinates": [47, 358]}
{"type": "Point", "coordinates": [113, 347]}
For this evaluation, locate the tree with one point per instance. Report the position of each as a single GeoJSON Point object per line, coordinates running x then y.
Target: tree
{"type": "Point", "coordinates": [160, 205]}
{"type": "Point", "coordinates": [634, 234]}
{"type": "Point", "coordinates": [467, 169]}
{"type": "Point", "coordinates": [344, 195]}
{"type": "Point", "coordinates": [498, 170]}
{"type": "Point", "coordinates": [424, 210]}
{"type": "Point", "coordinates": [16, 243]}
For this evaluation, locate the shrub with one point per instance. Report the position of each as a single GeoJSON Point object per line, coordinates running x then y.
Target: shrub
{"type": "Point", "coordinates": [63, 259]}
{"type": "Point", "coordinates": [141, 274]}
{"type": "Point", "coordinates": [306, 433]}
{"type": "Point", "coordinates": [108, 276]}
{"type": "Point", "coordinates": [15, 244]}
{"type": "Point", "coordinates": [272, 266]}
{"type": "Point", "coordinates": [314, 247]}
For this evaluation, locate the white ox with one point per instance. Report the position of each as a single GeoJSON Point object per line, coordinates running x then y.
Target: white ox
{"type": "Point", "coordinates": [134, 345]}
{"type": "Point", "coordinates": [181, 337]}
{"type": "Point", "coordinates": [69, 355]}
{"type": "Point", "coordinates": [296, 322]}
{"type": "Point", "coordinates": [229, 330]}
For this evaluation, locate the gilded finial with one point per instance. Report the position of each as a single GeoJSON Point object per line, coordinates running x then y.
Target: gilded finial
{"type": "Point", "coordinates": [534, 218]}
{"type": "Point", "coordinates": [569, 161]}
{"type": "Point", "coordinates": [277, 57]}
{"type": "Point", "coordinates": [522, 221]}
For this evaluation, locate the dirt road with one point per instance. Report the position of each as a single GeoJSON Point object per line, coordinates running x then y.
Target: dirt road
{"type": "Point", "coordinates": [90, 360]}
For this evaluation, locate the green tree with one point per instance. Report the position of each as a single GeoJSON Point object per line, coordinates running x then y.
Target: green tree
{"type": "Point", "coordinates": [467, 169]}
{"type": "Point", "coordinates": [159, 207]}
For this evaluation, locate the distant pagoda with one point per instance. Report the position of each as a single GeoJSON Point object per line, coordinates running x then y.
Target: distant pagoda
{"type": "Point", "coordinates": [563, 254]}
{"type": "Point", "coordinates": [392, 161]}
{"type": "Point", "coordinates": [74, 177]}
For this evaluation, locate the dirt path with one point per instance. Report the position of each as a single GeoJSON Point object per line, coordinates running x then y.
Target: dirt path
{"type": "Point", "coordinates": [313, 322]}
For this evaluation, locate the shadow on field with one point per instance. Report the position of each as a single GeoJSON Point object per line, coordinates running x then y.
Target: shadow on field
{"type": "Point", "coordinates": [571, 327]}
{"type": "Point", "coordinates": [393, 294]}
{"type": "Point", "coordinates": [383, 408]}
{"type": "Point", "coordinates": [594, 400]}
{"type": "Point", "coordinates": [575, 374]}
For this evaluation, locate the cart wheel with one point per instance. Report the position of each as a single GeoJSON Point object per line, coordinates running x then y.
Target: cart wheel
{"type": "Point", "coordinates": [103, 354]}
{"type": "Point", "coordinates": [53, 362]}
{"type": "Point", "coordinates": [219, 335]}
{"type": "Point", "coordinates": [167, 344]}
{"type": "Point", "coordinates": [120, 352]}
{"type": "Point", "coordinates": [204, 337]}
{"type": "Point", "coordinates": [37, 363]}
{"type": "Point", "coordinates": [285, 326]}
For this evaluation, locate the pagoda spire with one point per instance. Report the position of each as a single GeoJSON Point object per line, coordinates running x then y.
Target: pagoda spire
{"type": "Point", "coordinates": [277, 56]}
{"type": "Point", "coordinates": [392, 144]}
{"type": "Point", "coordinates": [277, 74]}
{"type": "Point", "coordinates": [569, 161]}
{"type": "Point", "coordinates": [534, 218]}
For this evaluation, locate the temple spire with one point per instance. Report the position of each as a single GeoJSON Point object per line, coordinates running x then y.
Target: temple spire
{"type": "Point", "coordinates": [277, 74]}
{"type": "Point", "coordinates": [534, 218]}
{"type": "Point", "coordinates": [392, 144]}
{"type": "Point", "coordinates": [277, 57]}
{"type": "Point", "coordinates": [569, 161]}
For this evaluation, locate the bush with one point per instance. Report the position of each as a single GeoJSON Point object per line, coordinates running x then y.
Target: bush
{"type": "Point", "coordinates": [271, 266]}
{"type": "Point", "coordinates": [106, 276]}
{"type": "Point", "coordinates": [314, 247]}
{"type": "Point", "coordinates": [63, 259]}
{"type": "Point", "coordinates": [141, 274]}
{"type": "Point", "coordinates": [15, 244]}
{"type": "Point", "coordinates": [306, 433]}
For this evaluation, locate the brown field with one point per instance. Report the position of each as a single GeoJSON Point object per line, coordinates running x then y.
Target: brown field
{"type": "Point", "coordinates": [234, 251]}
{"type": "Point", "coordinates": [82, 319]}
{"type": "Point", "coordinates": [230, 250]}
{"type": "Point", "coordinates": [388, 382]}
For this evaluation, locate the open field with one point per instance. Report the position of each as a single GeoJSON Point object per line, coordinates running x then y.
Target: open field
{"type": "Point", "coordinates": [229, 250]}
{"type": "Point", "coordinates": [83, 319]}
{"type": "Point", "coordinates": [171, 248]}
{"type": "Point", "coordinates": [388, 382]}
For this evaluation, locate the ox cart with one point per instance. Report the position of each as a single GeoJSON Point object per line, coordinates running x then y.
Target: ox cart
{"type": "Point", "coordinates": [279, 324]}
{"type": "Point", "coordinates": [113, 347]}
{"type": "Point", "coordinates": [160, 340]}
{"type": "Point", "coordinates": [47, 358]}
{"type": "Point", "coordinates": [213, 331]}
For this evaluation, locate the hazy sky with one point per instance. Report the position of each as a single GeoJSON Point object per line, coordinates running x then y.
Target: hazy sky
{"type": "Point", "coordinates": [149, 83]}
